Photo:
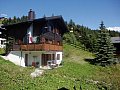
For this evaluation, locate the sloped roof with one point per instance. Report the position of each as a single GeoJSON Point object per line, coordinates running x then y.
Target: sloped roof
{"type": "Point", "coordinates": [44, 19]}
{"type": "Point", "coordinates": [54, 19]}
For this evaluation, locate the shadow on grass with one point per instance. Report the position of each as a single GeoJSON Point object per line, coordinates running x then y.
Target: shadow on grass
{"type": "Point", "coordinates": [91, 61]}
{"type": "Point", "coordinates": [63, 88]}
{"type": "Point", "coordinates": [3, 54]}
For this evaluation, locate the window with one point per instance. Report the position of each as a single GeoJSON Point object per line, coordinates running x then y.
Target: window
{"type": "Point", "coordinates": [58, 56]}
{"type": "Point", "coordinates": [1, 42]}
{"type": "Point", "coordinates": [35, 58]}
{"type": "Point", "coordinates": [53, 57]}
{"type": "Point", "coordinates": [49, 28]}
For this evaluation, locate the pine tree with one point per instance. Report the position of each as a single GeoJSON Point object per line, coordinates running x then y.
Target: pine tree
{"type": "Point", "coordinates": [5, 21]}
{"type": "Point", "coordinates": [105, 49]}
{"type": "Point", "coordinates": [18, 20]}
{"type": "Point", "coordinates": [14, 19]}
{"type": "Point", "coordinates": [24, 18]}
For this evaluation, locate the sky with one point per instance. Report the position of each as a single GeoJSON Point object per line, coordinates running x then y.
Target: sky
{"type": "Point", "coordinates": [83, 12]}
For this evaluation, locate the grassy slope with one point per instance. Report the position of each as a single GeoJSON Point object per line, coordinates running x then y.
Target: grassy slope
{"type": "Point", "coordinates": [0, 22]}
{"type": "Point", "coordinates": [2, 50]}
{"type": "Point", "coordinates": [13, 77]}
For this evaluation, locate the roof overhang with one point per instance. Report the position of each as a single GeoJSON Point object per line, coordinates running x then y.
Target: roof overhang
{"type": "Point", "coordinates": [57, 19]}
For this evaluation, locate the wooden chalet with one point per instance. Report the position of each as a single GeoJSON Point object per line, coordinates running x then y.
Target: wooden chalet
{"type": "Point", "coordinates": [36, 42]}
{"type": "Point", "coordinates": [2, 38]}
{"type": "Point", "coordinates": [116, 43]}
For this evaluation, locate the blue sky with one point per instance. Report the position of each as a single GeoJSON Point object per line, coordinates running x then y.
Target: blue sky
{"type": "Point", "coordinates": [84, 12]}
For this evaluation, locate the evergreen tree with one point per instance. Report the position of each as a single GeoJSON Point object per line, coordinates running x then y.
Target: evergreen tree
{"type": "Point", "coordinates": [5, 21]}
{"type": "Point", "coordinates": [105, 49]}
{"type": "Point", "coordinates": [10, 21]}
{"type": "Point", "coordinates": [71, 25]}
{"type": "Point", "coordinates": [14, 19]}
{"type": "Point", "coordinates": [69, 38]}
{"type": "Point", "coordinates": [18, 20]}
{"type": "Point", "coordinates": [24, 18]}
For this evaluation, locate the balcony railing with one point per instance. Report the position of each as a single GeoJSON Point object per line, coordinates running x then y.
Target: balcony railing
{"type": "Point", "coordinates": [37, 47]}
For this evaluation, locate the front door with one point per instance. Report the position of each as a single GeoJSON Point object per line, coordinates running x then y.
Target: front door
{"type": "Point", "coordinates": [45, 58]}
{"type": "Point", "coordinates": [26, 59]}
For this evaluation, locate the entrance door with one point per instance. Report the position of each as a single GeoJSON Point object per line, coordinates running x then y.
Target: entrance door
{"type": "Point", "coordinates": [26, 59]}
{"type": "Point", "coordinates": [45, 58]}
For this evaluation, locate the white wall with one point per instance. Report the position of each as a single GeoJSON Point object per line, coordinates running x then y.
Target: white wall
{"type": "Point", "coordinates": [58, 61]}
{"type": "Point", "coordinates": [15, 57]}
{"type": "Point", "coordinates": [2, 45]}
{"type": "Point", "coordinates": [31, 55]}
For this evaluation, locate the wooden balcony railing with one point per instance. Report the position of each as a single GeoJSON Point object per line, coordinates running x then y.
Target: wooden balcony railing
{"type": "Point", "coordinates": [37, 47]}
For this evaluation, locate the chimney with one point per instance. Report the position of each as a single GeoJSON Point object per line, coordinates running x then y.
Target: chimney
{"type": "Point", "coordinates": [31, 15]}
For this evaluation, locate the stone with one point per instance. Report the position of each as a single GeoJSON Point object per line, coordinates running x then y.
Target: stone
{"type": "Point", "coordinates": [37, 73]}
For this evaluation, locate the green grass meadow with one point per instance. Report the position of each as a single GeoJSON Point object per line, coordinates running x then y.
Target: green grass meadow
{"type": "Point", "coordinates": [74, 72]}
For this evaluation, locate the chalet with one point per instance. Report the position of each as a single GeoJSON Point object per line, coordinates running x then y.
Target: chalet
{"type": "Point", "coordinates": [2, 38]}
{"type": "Point", "coordinates": [2, 42]}
{"type": "Point", "coordinates": [36, 42]}
{"type": "Point", "coordinates": [116, 43]}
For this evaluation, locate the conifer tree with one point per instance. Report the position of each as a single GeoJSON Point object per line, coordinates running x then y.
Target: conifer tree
{"type": "Point", "coordinates": [105, 49]}
{"type": "Point", "coordinates": [14, 19]}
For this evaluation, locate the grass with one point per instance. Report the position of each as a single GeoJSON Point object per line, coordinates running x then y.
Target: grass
{"type": "Point", "coordinates": [76, 55]}
{"type": "Point", "coordinates": [75, 71]}
{"type": "Point", "coordinates": [0, 21]}
{"type": "Point", "coordinates": [2, 50]}
{"type": "Point", "coordinates": [110, 75]}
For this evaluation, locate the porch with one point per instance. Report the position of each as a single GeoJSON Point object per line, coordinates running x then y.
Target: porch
{"type": "Point", "coordinates": [42, 59]}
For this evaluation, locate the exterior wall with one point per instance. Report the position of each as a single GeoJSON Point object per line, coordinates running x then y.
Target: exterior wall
{"type": "Point", "coordinates": [2, 42]}
{"type": "Point", "coordinates": [58, 61]}
{"type": "Point", "coordinates": [33, 56]}
{"type": "Point", "coordinates": [30, 33]}
{"type": "Point", "coordinates": [18, 57]}
{"type": "Point", "coordinates": [15, 57]}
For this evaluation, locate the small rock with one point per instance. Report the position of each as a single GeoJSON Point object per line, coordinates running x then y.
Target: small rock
{"type": "Point", "coordinates": [36, 73]}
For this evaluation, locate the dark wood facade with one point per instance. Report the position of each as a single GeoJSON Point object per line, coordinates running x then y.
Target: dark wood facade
{"type": "Point", "coordinates": [117, 47]}
{"type": "Point", "coordinates": [47, 34]}
{"type": "Point", "coordinates": [116, 43]}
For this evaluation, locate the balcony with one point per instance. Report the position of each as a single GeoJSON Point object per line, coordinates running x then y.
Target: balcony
{"type": "Point", "coordinates": [37, 47]}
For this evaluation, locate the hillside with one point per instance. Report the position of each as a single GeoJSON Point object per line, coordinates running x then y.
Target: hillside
{"type": "Point", "coordinates": [74, 72]}
{"type": "Point", "coordinates": [0, 22]}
